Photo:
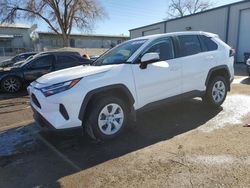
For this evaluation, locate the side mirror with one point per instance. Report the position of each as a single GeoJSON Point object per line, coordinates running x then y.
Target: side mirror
{"type": "Point", "coordinates": [149, 58]}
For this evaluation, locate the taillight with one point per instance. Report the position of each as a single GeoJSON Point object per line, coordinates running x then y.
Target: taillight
{"type": "Point", "coordinates": [231, 52]}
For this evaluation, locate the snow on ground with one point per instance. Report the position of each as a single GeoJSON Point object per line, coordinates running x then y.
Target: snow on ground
{"type": "Point", "coordinates": [217, 159]}
{"type": "Point", "coordinates": [235, 108]}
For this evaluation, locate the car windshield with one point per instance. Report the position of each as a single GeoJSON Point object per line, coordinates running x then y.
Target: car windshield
{"type": "Point", "coordinates": [119, 54]}
{"type": "Point", "coordinates": [29, 59]}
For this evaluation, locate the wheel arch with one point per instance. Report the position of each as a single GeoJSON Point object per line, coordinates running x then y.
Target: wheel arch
{"type": "Point", "coordinates": [117, 90]}
{"type": "Point", "coordinates": [221, 70]}
{"type": "Point", "coordinates": [11, 75]}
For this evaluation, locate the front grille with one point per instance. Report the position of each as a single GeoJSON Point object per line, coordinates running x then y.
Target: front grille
{"type": "Point", "coordinates": [35, 101]}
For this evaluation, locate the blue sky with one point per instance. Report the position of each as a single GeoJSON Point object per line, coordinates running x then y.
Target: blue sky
{"type": "Point", "coordinates": [127, 14]}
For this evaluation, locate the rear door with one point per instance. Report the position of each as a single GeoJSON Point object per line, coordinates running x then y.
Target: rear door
{"type": "Point", "coordinates": [194, 63]}
{"type": "Point", "coordinates": [38, 67]}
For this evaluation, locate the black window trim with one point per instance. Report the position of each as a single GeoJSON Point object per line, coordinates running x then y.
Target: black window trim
{"type": "Point", "coordinates": [138, 58]}
{"type": "Point", "coordinates": [204, 47]}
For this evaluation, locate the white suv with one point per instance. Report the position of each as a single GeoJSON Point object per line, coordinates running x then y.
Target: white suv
{"type": "Point", "coordinates": [138, 74]}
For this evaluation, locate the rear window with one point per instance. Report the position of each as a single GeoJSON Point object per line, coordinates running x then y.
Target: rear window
{"type": "Point", "coordinates": [208, 43]}
{"type": "Point", "coordinates": [189, 45]}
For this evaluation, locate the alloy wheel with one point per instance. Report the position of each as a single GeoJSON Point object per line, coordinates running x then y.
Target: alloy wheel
{"type": "Point", "coordinates": [218, 91]}
{"type": "Point", "coordinates": [11, 85]}
{"type": "Point", "coordinates": [111, 119]}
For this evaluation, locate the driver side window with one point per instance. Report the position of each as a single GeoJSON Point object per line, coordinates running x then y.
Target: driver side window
{"type": "Point", "coordinates": [163, 47]}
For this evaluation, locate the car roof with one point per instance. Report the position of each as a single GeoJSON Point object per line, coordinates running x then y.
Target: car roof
{"type": "Point", "coordinates": [27, 53]}
{"type": "Point", "coordinates": [59, 52]}
{"type": "Point", "coordinates": [151, 37]}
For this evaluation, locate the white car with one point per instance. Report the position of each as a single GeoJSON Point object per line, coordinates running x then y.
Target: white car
{"type": "Point", "coordinates": [136, 75]}
{"type": "Point", "coordinates": [248, 66]}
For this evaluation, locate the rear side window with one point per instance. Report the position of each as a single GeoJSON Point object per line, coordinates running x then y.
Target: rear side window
{"type": "Point", "coordinates": [208, 43]}
{"type": "Point", "coordinates": [189, 45]}
{"type": "Point", "coordinates": [64, 61]}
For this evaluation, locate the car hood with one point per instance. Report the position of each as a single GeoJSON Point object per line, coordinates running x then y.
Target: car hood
{"type": "Point", "coordinates": [9, 69]}
{"type": "Point", "coordinates": [71, 73]}
{"type": "Point", "coordinates": [7, 61]}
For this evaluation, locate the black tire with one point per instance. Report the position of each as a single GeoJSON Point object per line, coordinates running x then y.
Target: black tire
{"type": "Point", "coordinates": [92, 126]}
{"type": "Point", "coordinates": [210, 96]}
{"type": "Point", "coordinates": [11, 84]}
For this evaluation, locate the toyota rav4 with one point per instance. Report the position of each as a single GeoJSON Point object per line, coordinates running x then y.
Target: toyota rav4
{"type": "Point", "coordinates": [135, 75]}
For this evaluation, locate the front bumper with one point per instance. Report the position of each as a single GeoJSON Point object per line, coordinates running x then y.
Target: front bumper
{"type": "Point", "coordinates": [48, 127]}
{"type": "Point", "coordinates": [41, 121]}
{"type": "Point", "coordinates": [49, 114]}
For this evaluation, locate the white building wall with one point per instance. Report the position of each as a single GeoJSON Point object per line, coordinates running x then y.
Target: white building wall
{"type": "Point", "coordinates": [213, 21]}
{"type": "Point", "coordinates": [21, 37]}
{"type": "Point", "coordinates": [234, 28]}
{"type": "Point", "coordinates": [152, 29]}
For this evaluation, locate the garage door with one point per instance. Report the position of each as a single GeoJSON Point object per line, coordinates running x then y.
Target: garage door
{"type": "Point", "coordinates": [151, 32]}
{"type": "Point", "coordinates": [244, 35]}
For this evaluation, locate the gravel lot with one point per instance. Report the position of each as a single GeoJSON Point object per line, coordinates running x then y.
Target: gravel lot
{"type": "Point", "coordinates": [182, 145]}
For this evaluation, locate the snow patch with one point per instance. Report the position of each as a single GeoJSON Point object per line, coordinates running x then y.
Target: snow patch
{"type": "Point", "coordinates": [18, 140]}
{"type": "Point", "coordinates": [218, 159]}
{"type": "Point", "coordinates": [234, 108]}
{"type": "Point", "coordinates": [212, 159]}
{"type": "Point", "coordinates": [239, 80]}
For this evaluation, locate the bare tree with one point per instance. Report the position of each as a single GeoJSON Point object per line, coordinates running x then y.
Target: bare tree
{"type": "Point", "coordinates": [180, 8]}
{"type": "Point", "coordinates": [60, 15]}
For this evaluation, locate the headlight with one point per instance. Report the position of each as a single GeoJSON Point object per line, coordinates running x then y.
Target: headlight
{"type": "Point", "coordinates": [58, 88]}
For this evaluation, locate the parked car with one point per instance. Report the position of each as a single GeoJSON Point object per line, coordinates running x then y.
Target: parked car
{"type": "Point", "coordinates": [248, 66]}
{"type": "Point", "coordinates": [19, 63]}
{"type": "Point", "coordinates": [19, 57]}
{"type": "Point", "coordinates": [136, 75]}
{"type": "Point", "coordinates": [13, 79]}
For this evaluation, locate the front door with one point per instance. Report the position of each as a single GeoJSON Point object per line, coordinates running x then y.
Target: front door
{"type": "Point", "coordinates": [38, 67]}
{"type": "Point", "coordinates": [161, 79]}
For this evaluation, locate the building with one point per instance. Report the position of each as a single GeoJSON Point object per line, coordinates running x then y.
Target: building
{"type": "Point", "coordinates": [231, 22]}
{"type": "Point", "coordinates": [17, 38]}
{"type": "Point", "coordinates": [52, 40]}
{"type": "Point", "coordinates": [14, 38]}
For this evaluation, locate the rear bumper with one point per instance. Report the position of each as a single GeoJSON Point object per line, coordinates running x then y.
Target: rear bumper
{"type": "Point", "coordinates": [48, 127]}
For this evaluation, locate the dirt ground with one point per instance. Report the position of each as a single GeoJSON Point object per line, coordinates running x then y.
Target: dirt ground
{"type": "Point", "coordinates": [182, 145]}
